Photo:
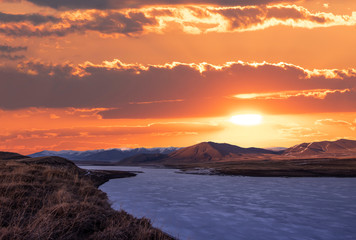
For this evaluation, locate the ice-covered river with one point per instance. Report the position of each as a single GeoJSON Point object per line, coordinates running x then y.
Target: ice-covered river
{"type": "Point", "coordinates": [230, 207]}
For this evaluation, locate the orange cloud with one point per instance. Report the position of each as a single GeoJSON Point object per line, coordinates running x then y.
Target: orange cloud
{"type": "Point", "coordinates": [301, 132]}
{"type": "Point", "coordinates": [54, 116]}
{"type": "Point", "coordinates": [314, 93]}
{"type": "Point", "coordinates": [332, 122]}
{"type": "Point", "coordinates": [160, 101]}
{"type": "Point", "coordinates": [329, 121]}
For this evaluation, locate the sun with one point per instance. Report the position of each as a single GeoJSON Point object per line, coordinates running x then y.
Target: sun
{"type": "Point", "coordinates": [246, 119]}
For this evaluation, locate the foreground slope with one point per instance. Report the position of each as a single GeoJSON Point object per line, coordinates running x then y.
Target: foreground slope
{"type": "Point", "coordinates": [51, 198]}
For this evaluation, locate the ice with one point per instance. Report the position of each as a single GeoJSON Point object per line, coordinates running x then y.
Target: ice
{"type": "Point", "coordinates": [226, 207]}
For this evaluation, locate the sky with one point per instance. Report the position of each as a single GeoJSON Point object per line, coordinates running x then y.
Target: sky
{"type": "Point", "coordinates": [98, 74]}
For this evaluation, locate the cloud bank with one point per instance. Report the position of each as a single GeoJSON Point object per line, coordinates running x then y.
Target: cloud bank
{"type": "Point", "coordinates": [189, 19]}
{"type": "Point", "coordinates": [114, 4]}
{"type": "Point", "coordinates": [177, 89]}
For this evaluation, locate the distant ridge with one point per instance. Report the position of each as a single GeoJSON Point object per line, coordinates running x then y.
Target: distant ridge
{"type": "Point", "coordinates": [108, 155]}
{"type": "Point", "coordinates": [341, 147]}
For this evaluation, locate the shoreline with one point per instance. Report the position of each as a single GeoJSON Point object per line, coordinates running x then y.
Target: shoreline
{"type": "Point", "coordinates": [267, 168]}
{"type": "Point", "coordinates": [99, 177]}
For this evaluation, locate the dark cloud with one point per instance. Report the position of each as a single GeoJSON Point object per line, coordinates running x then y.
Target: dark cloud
{"type": "Point", "coordinates": [116, 22]}
{"type": "Point", "coordinates": [243, 18]}
{"type": "Point", "coordinates": [11, 49]}
{"type": "Point", "coordinates": [104, 22]}
{"type": "Point", "coordinates": [11, 57]}
{"type": "Point", "coordinates": [35, 19]}
{"type": "Point", "coordinates": [208, 93]}
{"type": "Point", "coordinates": [115, 4]}
{"type": "Point", "coordinates": [6, 52]}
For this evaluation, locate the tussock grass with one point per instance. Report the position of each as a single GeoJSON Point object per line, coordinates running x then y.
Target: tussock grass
{"type": "Point", "coordinates": [51, 198]}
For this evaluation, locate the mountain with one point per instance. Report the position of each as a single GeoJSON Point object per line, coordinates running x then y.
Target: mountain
{"type": "Point", "coordinates": [341, 147]}
{"type": "Point", "coordinates": [109, 155]}
{"type": "Point", "coordinates": [211, 151]}
{"type": "Point", "coordinates": [202, 152]}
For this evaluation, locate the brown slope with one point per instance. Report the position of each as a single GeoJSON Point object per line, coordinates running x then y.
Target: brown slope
{"type": "Point", "coordinates": [341, 147]}
{"type": "Point", "coordinates": [210, 151]}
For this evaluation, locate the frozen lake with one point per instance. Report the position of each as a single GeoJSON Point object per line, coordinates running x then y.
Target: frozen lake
{"type": "Point", "coordinates": [230, 207]}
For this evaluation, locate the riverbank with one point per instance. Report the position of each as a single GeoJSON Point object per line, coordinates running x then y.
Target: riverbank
{"type": "Point", "coordinates": [51, 198]}
{"type": "Point", "coordinates": [317, 167]}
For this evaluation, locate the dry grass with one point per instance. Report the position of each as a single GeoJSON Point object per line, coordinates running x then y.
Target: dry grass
{"type": "Point", "coordinates": [50, 199]}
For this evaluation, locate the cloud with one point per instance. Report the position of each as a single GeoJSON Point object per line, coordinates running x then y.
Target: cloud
{"type": "Point", "coordinates": [113, 4]}
{"type": "Point", "coordinates": [314, 93]}
{"type": "Point", "coordinates": [6, 52]}
{"type": "Point", "coordinates": [302, 132]}
{"type": "Point", "coordinates": [176, 89]}
{"type": "Point", "coordinates": [332, 122]}
{"type": "Point", "coordinates": [35, 18]}
{"type": "Point", "coordinates": [154, 129]}
{"type": "Point", "coordinates": [11, 49]}
{"type": "Point", "coordinates": [54, 116]}
{"type": "Point", "coordinates": [11, 57]}
{"type": "Point", "coordinates": [108, 22]}
{"type": "Point", "coordinates": [189, 19]}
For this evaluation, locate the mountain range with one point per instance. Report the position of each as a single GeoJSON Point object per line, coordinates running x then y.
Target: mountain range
{"type": "Point", "coordinates": [206, 152]}
{"type": "Point", "coordinates": [209, 152]}
{"type": "Point", "coordinates": [107, 155]}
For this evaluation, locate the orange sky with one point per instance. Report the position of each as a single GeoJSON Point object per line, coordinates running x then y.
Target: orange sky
{"type": "Point", "coordinates": [102, 74]}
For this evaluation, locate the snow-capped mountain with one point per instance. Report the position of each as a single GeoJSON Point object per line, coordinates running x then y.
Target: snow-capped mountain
{"type": "Point", "coordinates": [110, 155]}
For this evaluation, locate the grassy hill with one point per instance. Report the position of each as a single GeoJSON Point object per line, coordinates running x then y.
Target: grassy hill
{"type": "Point", "coordinates": [51, 198]}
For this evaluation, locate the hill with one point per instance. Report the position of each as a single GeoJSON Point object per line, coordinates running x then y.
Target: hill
{"type": "Point", "coordinates": [51, 198]}
{"type": "Point", "coordinates": [10, 155]}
